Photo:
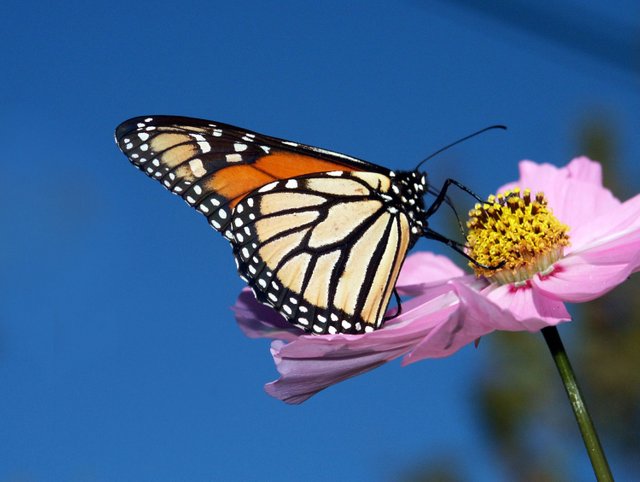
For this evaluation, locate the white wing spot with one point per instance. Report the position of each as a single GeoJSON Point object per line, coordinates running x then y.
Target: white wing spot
{"type": "Point", "coordinates": [291, 184]}
{"type": "Point", "coordinates": [268, 187]}
{"type": "Point", "coordinates": [197, 189]}
{"type": "Point", "coordinates": [197, 168]}
{"type": "Point", "coordinates": [144, 147]}
{"type": "Point", "coordinates": [217, 132]}
{"type": "Point", "coordinates": [143, 136]}
{"type": "Point", "coordinates": [233, 157]}
{"type": "Point", "coordinates": [202, 143]}
{"type": "Point", "coordinates": [239, 147]}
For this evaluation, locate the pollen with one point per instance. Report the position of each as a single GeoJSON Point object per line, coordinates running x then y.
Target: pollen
{"type": "Point", "coordinates": [515, 236]}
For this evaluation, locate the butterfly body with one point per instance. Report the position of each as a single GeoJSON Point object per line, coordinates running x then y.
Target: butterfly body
{"type": "Point", "coordinates": [317, 235]}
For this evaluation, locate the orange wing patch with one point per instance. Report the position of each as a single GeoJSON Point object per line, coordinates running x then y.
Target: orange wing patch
{"type": "Point", "coordinates": [235, 182]}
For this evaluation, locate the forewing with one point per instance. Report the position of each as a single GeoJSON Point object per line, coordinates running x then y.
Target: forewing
{"type": "Point", "coordinates": [213, 166]}
{"type": "Point", "coordinates": [324, 250]}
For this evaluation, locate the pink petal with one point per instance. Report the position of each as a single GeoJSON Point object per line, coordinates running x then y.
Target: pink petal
{"type": "Point", "coordinates": [578, 279]}
{"type": "Point", "coordinates": [302, 377]}
{"type": "Point", "coordinates": [530, 309]}
{"type": "Point", "coordinates": [574, 192]}
{"type": "Point", "coordinates": [312, 363]}
{"type": "Point", "coordinates": [422, 271]}
{"type": "Point", "coordinates": [618, 227]}
{"type": "Point", "coordinates": [584, 169]}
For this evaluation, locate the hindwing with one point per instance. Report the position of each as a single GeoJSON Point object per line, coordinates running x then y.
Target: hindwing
{"type": "Point", "coordinates": [324, 250]}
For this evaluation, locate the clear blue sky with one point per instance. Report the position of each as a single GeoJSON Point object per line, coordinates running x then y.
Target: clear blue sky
{"type": "Point", "coordinates": [119, 356]}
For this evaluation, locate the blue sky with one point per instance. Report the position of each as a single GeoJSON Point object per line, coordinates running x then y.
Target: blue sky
{"type": "Point", "coordinates": [119, 356]}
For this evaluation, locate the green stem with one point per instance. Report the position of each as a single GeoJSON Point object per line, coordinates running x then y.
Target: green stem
{"type": "Point", "coordinates": [589, 435]}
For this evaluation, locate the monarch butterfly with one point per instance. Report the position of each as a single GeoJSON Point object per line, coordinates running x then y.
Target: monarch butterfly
{"type": "Point", "coordinates": [317, 235]}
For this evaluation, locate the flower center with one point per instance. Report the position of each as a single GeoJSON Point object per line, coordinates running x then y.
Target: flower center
{"type": "Point", "coordinates": [517, 233]}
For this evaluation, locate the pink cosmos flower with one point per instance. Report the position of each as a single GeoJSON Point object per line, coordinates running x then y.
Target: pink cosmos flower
{"type": "Point", "coordinates": [604, 237]}
{"type": "Point", "coordinates": [451, 309]}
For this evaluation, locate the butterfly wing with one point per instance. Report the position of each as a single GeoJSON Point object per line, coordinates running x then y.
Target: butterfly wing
{"type": "Point", "coordinates": [314, 231]}
{"type": "Point", "coordinates": [213, 165]}
{"type": "Point", "coordinates": [324, 250]}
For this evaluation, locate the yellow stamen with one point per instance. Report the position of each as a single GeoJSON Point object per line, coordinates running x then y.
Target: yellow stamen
{"type": "Point", "coordinates": [517, 233]}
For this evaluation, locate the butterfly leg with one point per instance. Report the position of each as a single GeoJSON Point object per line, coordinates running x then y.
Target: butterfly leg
{"type": "Point", "coordinates": [431, 234]}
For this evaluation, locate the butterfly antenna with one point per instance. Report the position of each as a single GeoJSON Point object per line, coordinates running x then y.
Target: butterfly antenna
{"type": "Point", "coordinates": [497, 126]}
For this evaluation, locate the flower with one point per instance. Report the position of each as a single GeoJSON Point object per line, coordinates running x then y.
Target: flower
{"type": "Point", "coordinates": [591, 240]}
{"type": "Point", "coordinates": [594, 245]}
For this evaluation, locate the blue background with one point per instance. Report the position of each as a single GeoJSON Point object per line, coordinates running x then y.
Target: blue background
{"type": "Point", "coordinates": [119, 355]}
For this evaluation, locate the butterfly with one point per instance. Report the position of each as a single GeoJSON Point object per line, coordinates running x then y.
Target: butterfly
{"type": "Point", "coordinates": [318, 235]}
